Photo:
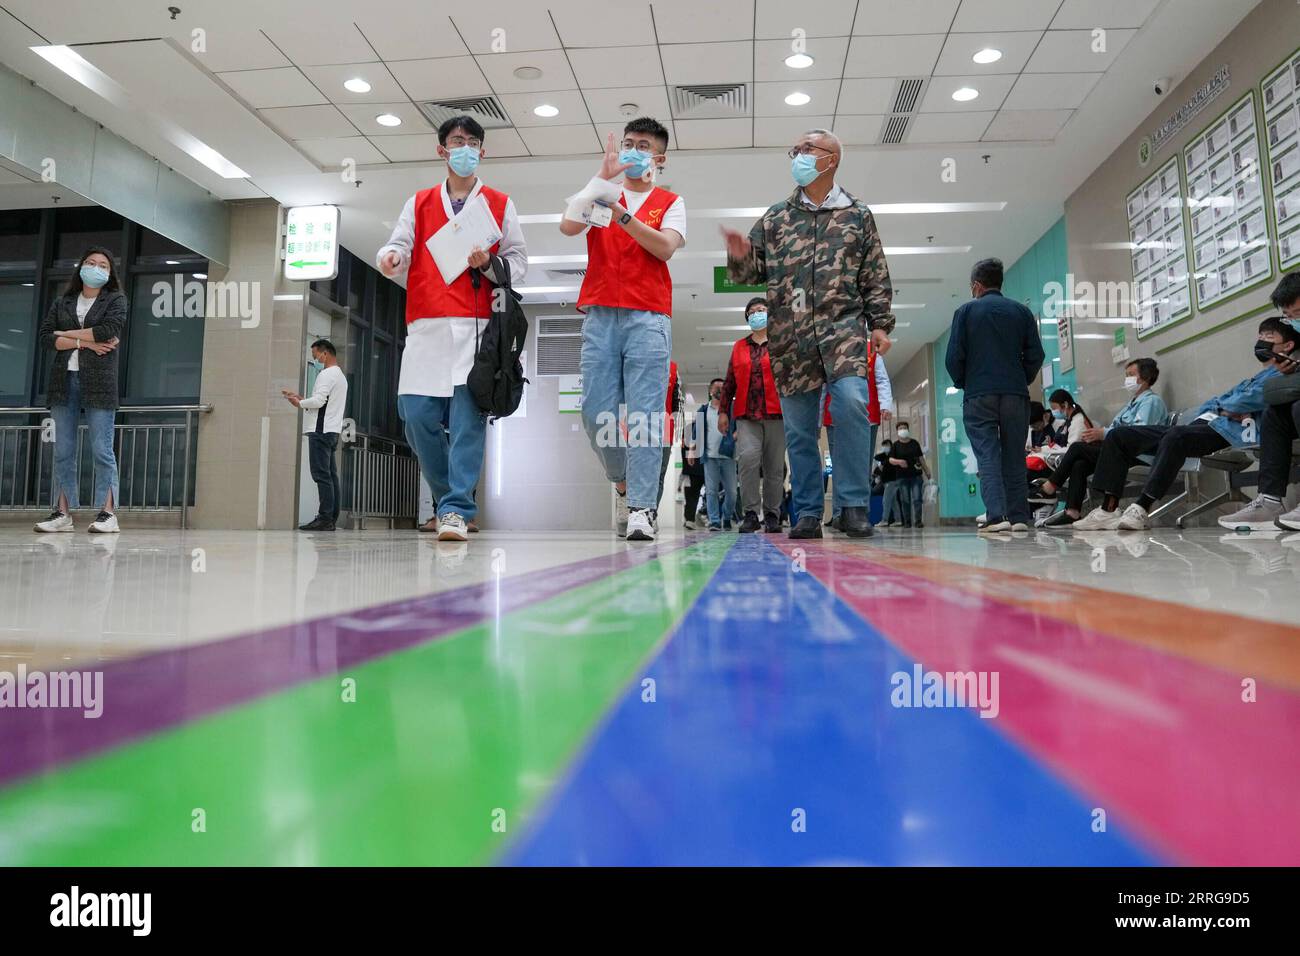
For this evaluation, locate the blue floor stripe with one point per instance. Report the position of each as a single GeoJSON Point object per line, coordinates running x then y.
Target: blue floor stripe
{"type": "Point", "coordinates": [773, 698]}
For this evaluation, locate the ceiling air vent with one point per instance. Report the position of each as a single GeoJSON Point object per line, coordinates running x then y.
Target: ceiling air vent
{"type": "Point", "coordinates": [559, 345]}
{"type": "Point", "coordinates": [485, 109]}
{"type": "Point", "coordinates": [895, 129]}
{"type": "Point", "coordinates": [907, 96]}
{"type": "Point", "coordinates": [711, 101]}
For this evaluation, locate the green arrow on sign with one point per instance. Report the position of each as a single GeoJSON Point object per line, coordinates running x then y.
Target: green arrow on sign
{"type": "Point", "coordinates": [299, 264]}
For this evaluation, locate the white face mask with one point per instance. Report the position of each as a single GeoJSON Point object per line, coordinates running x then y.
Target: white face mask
{"type": "Point", "coordinates": [903, 433]}
{"type": "Point", "coordinates": [1131, 383]}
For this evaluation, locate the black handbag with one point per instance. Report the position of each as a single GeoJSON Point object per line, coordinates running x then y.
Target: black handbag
{"type": "Point", "coordinates": [496, 379]}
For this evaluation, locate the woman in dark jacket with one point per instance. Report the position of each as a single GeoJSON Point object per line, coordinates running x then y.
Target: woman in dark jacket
{"type": "Point", "coordinates": [83, 328]}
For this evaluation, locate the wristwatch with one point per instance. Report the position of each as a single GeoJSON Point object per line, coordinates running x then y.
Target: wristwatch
{"type": "Point", "coordinates": [622, 220]}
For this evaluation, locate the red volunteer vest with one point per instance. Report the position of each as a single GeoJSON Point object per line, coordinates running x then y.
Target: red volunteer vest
{"type": "Point", "coordinates": [622, 275]}
{"type": "Point", "coordinates": [668, 402]}
{"type": "Point", "coordinates": [873, 400]}
{"type": "Point", "coordinates": [427, 295]}
{"type": "Point", "coordinates": [742, 368]}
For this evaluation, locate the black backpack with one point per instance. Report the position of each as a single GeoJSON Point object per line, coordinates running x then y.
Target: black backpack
{"type": "Point", "coordinates": [497, 379]}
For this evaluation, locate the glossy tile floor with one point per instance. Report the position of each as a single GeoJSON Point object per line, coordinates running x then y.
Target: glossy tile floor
{"type": "Point", "coordinates": [378, 697]}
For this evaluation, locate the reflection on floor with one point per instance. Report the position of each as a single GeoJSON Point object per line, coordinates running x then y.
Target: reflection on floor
{"type": "Point", "coordinates": [920, 698]}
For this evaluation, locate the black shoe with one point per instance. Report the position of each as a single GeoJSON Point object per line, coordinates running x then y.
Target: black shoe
{"type": "Point", "coordinates": [750, 524]}
{"type": "Point", "coordinates": [772, 523]}
{"type": "Point", "coordinates": [809, 526]}
{"type": "Point", "coordinates": [317, 524]}
{"type": "Point", "coordinates": [855, 522]}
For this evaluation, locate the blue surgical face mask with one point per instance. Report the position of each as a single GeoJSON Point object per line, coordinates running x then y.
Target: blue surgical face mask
{"type": "Point", "coordinates": [804, 168]}
{"type": "Point", "coordinates": [640, 162]}
{"type": "Point", "coordinates": [94, 276]}
{"type": "Point", "coordinates": [1058, 414]}
{"type": "Point", "coordinates": [758, 320]}
{"type": "Point", "coordinates": [463, 160]}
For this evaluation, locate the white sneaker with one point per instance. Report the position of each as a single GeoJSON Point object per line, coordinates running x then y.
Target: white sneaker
{"type": "Point", "coordinates": [1097, 520]}
{"type": "Point", "coordinates": [1289, 521]}
{"type": "Point", "coordinates": [104, 523]}
{"type": "Point", "coordinates": [688, 525]}
{"type": "Point", "coordinates": [57, 521]}
{"type": "Point", "coordinates": [451, 527]}
{"type": "Point", "coordinates": [641, 525]}
{"type": "Point", "coordinates": [995, 527]}
{"type": "Point", "coordinates": [1020, 526]}
{"type": "Point", "coordinates": [1134, 518]}
{"type": "Point", "coordinates": [620, 514]}
{"type": "Point", "coordinates": [1261, 514]}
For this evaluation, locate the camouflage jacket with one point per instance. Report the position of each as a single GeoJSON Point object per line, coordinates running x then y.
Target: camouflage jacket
{"type": "Point", "coordinates": [827, 289]}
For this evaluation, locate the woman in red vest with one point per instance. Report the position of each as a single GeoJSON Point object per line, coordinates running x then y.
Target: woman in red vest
{"type": "Point", "coordinates": [627, 295]}
{"type": "Point", "coordinates": [750, 393]}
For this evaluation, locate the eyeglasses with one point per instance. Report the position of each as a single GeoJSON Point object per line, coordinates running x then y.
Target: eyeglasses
{"type": "Point", "coordinates": [454, 142]}
{"type": "Point", "coordinates": [803, 148]}
{"type": "Point", "coordinates": [645, 145]}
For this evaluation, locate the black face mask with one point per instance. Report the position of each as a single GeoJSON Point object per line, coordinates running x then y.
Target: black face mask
{"type": "Point", "coordinates": [1264, 350]}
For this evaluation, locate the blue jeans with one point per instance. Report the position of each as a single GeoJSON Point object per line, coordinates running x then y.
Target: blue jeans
{"type": "Point", "coordinates": [624, 368]}
{"type": "Point", "coordinates": [836, 505]}
{"type": "Point", "coordinates": [911, 497]}
{"type": "Point", "coordinates": [67, 418]}
{"type": "Point", "coordinates": [892, 505]}
{"type": "Point", "coordinates": [996, 426]}
{"type": "Point", "coordinates": [851, 475]}
{"type": "Point", "coordinates": [451, 458]}
{"type": "Point", "coordinates": [720, 479]}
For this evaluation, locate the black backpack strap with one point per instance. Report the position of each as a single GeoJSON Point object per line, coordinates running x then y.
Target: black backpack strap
{"type": "Point", "coordinates": [501, 271]}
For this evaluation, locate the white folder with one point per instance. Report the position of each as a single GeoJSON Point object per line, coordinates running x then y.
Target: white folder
{"type": "Point", "coordinates": [450, 246]}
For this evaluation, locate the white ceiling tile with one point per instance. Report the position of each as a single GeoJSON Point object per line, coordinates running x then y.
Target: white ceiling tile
{"type": "Point", "coordinates": [388, 27]}
{"type": "Point", "coordinates": [714, 134]}
{"type": "Point", "coordinates": [572, 107]}
{"type": "Point", "coordinates": [604, 104]}
{"type": "Point", "coordinates": [233, 47]}
{"type": "Point", "coordinates": [769, 98]}
{"type": "Point", "coordinates": [614, 66]}
{"type": "Point", "coordinates": [440, 79]}
{"type": "Point", "coordinates": [330, 79]}
{"type": "Point", "coordinates": [992, 91]}
{"type": "Point", "coordinates": [912, 16]}
{"type": "Point", "coordinates": [499, 69]}
{"type": "Point", "coordinates": [579, 26]}
{"type": "Point", "coordinates": [708, 62]}
{"type": "Point", "coordinates": [1077, 51]}
{"type": "Point", "coordinates": [817, 18]}
{"type": "Point", "coordinates": [561, 140]}
{"type": "Point", "coordinates": [785, 130]}
{"type": "Point", "coordinates": [363, 116]}
{"type": "Point", "coordinates": [976, 16]}
{"type": "Point", "coordinates": [309, 122]}
{"type": "Point", "coordinates": [958, 50]}
{"type": "Point", "coordinates": [893, 55]}
{"type": "Point", "coordinates": [1027, 125]}
{"type": "Point", "coordinates": [1086, 14]}
{"type": "Point", "coordinates": [313, 41]}
{"type": "Point", "coordinates": [690, 21]}
{"type": "Point", "coordinates": [827, 54]}
{"type": "Point", "coordinates": [949, 127]}
{"type": "Point", "coordinates": [408, 149]}
{"type": "Point", "coordinates": [331, 153]}
{"type": "Point", "coordinates": [858, 130]}
{"type": "Point", "coordinates": [864, 96]}
{"type": "Point", "coordinates": [501, 143]}
{"type": "Point", "coordinates": [283, 86]}
{"type": "Point", "coordinates": [488, 29]}
{"type": "Point", "coordinates": [1051, 91]}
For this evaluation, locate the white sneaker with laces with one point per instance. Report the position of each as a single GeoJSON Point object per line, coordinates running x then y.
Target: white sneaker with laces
{"type": "Point", "coordinates": [1289, 521]}
{"type": "Point", "coordinates": [641, 525]}
{"type": "Point", "coordinates": [1262, 514]}
{"type": "Point", "coordinates": [1098, 520]}
{"type": "Point", "coordinates": [1134, 518]}
{"type": "Point", "coordinates": [57, 521]}
{"type": "Point", "coordinates": [620, 514]}
{"type": "Point", "coordinates": [104, 523]}
{"type": "Point", "coordinates": [451, 527]}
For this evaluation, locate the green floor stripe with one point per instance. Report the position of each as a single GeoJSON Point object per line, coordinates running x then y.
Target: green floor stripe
{"type": "Point", "coordinates": [446, 744]}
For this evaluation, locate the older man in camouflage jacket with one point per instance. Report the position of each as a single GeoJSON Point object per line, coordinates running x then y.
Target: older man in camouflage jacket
{"type": "Point", "coordinates": [828, 291]}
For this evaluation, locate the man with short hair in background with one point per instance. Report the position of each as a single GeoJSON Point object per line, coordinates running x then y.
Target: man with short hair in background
{"type": "Point", "coordinates": [323, 424]}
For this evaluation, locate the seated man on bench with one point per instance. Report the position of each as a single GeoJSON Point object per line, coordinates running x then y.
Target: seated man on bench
{"type": "Point", "coordinates": [1218, 424]}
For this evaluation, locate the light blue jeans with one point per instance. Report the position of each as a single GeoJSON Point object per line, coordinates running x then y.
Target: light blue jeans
{"type": "Point", "coordinates": [836, 505]}
{"type": "Point", "coordinates": [447, 435]}
{"type": "Point", "coordinates": [851, 470]}
{"type": "Point", "coordinates": [720, 482]}
{"type": "Point", "coordinates": [624, 369]}
{"type": "Point", "coordinates": [67, 420]}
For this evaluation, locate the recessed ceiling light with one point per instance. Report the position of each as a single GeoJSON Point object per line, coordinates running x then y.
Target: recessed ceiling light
{"type": "Point", "coordinates": [797, 99]}
{"type": "Point", "coordinates": [798, 61]}
{"type": "Point", "coordinates": [527, 73]}
{"type": "Point", "coordinates": [546, 109]}
{"type": "Point", "coordinates": [388, 119]}
{"type": "Point", "coordinates": [987, 55]}
{"type": "Point", "coordinates": [172, 262]}
{"type": "Point", "coordinates": [965, 94]}
{"type": "Point", "coordinates": [199, 275]}
{"type": "Point", "coordinates": [357, 85]}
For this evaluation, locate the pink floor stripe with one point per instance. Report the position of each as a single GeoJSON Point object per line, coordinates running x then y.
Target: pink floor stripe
{"type": "Point", "coordinates": [1165, 745]}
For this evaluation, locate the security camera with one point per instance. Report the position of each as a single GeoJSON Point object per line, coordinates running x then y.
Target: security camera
{"type": "Point", "coordinates": [1162, 85]}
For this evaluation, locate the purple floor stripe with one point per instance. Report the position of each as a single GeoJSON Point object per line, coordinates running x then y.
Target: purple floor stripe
{"type": "Point", "coordinates": [154, 692]}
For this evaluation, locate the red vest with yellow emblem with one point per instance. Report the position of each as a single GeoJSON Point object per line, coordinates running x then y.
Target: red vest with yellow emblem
{"type": "Point", "coordinates": [427, 295]}
{"type": "Point", "coordinates": [622, 275]}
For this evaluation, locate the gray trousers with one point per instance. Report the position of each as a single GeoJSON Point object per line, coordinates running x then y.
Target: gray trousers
{"type": "Point", "coordinates": [760, 445]}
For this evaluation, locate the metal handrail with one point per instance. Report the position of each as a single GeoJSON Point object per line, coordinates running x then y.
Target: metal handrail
{"type": "Point", "coordinates": [35, 410]}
